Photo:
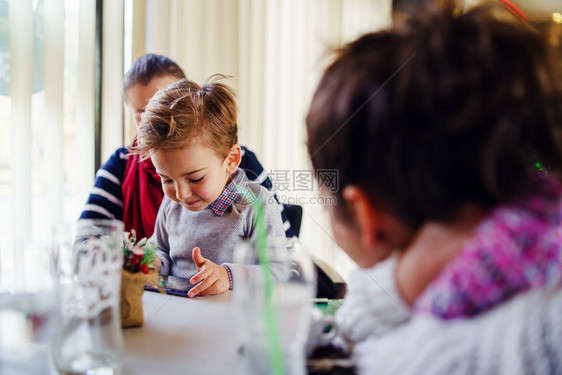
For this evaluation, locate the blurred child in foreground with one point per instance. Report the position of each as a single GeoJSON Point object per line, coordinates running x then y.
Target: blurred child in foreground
{"type": "Point", "coordinates": [446, 135]}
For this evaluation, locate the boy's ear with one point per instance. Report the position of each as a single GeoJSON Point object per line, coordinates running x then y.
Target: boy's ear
{"type": "Point", "coordinates": [233, 158]}
{"type": "Point", "coordinates": [366, 217]}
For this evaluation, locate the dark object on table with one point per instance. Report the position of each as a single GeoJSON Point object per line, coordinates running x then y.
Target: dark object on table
{"type": "Point", "coordinates": [326, 287]}
{"type": "Point", "coordinates": [330, 360]}
{"type": "Point", "coordinates": [177, 286]}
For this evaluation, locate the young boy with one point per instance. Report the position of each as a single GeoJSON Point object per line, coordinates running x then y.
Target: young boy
{"type": "Point", "coordinates": [190, 133]}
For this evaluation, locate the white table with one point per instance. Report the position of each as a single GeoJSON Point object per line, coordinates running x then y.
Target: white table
{"type": "Point", "coordinates": [183, 336]}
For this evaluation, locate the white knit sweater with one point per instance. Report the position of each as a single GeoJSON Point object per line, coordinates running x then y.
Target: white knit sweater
{"type": "Point", "coordinates": [372, 305]}
{"type": "Point", "coordinates": [520, 337]}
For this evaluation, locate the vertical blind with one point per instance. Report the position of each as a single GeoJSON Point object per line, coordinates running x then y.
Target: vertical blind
{"type": "Point", "coordinates": [112, 78]}
{"type": "Point", "coordinates": [48, 113]}
{"type": "Point", "coordinates": [54, 114]}
{"type": "Point", "coordinates": [21, 88]}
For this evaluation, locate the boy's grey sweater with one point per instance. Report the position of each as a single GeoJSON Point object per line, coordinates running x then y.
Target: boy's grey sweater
{"type": "Point", "coordinates": [178, 231]}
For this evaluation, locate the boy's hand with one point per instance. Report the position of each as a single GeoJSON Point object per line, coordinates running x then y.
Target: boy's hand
{"type": "Point", "coordinates": [157, 263]}
{"type": "Point", "coordinates": [214, 278]}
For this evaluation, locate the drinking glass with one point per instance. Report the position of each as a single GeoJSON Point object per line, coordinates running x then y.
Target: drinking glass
{"type": "Point", "coordinates": [89, 259]}
{"type": "Point", "coordinates": [28, 308]}
{"type": "Point", "coordinates": [273, 301]}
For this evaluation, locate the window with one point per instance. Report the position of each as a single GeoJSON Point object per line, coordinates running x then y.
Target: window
{"type": "Point", "coordinates": [46, 125]}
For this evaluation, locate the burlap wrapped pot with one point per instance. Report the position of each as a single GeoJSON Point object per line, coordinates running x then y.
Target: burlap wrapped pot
{"type": "Point", "coordinates": [132, 288]}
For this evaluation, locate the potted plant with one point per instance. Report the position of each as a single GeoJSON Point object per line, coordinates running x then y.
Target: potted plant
{"type": "Point", "coordinates": [138, 269]}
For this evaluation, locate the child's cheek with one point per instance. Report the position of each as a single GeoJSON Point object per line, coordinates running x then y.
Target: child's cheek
{"type": "Point", "coordinates": [170, 192]}
{"type": "Point", "coordinates": [207, 193]}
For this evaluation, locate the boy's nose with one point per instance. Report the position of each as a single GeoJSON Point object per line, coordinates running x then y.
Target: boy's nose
{"type": "Point", "coordinates": [183, 192]}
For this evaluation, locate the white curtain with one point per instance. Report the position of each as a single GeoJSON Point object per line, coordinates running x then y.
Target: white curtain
{"type": "Point", "coordinates": [47, 114]}
{"type": "Point", "coordinates": [112, 75]}
{"type": "Point", "coordinates": [275, 51]}
{"type": "Point", "coordinates": [21, 89]}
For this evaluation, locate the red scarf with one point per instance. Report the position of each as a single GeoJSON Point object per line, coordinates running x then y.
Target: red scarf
{"type": "Point", "coordinates": [142, 196]}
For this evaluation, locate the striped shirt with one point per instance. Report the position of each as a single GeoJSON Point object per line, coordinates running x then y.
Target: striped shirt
{"type": "Point", "coordinates": [106, 197]}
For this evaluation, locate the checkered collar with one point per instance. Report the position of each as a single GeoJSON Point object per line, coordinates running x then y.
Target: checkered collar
{"type": "Point", "coordinates": [229, 194]}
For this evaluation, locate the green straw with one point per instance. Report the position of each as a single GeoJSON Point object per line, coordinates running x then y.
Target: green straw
{"type": "Point", "coordinates": [275, 351]}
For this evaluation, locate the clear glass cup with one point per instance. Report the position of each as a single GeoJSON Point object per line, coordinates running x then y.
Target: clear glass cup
{"type": "Point", "coordinates": [89, 261]}
{"type": "Point", "coordinates": [28, 308]}
{"type": "Point", "coordinates": [273, 302]}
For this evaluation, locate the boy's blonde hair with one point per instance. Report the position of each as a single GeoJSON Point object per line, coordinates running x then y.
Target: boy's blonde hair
{"type": "Point", "coordinates": [185, 111]}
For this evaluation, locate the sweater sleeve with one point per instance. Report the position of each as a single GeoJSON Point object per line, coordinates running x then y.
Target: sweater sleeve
{"type": "Point", "coordinates": [106, 197]}
{"type": "Point", "coordinates": [372, 305]}
{"type": "Point", "coordinates": [256, 173]}
{"type": "Point", "coordinates": [160, 238]}
{"type": "Point", "coordinates": [520, 336]}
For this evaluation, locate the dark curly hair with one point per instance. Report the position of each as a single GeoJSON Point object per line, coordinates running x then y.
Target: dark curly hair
{"type": "Point", "coordinates": [442, 111]}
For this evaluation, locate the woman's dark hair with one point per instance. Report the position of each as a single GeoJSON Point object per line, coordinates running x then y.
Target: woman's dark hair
{"type": "Point", "coordinates": [440, 112]}
{"type": "Point", "coordinates": [148, 67]}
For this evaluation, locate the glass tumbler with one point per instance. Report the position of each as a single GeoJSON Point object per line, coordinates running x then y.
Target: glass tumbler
{"type": "Point", "coordinates": [89, 339]}
{"type": "Point", "coordinates": [273, 301]}
{"type": "Point", "coordinates": [28, 308]}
